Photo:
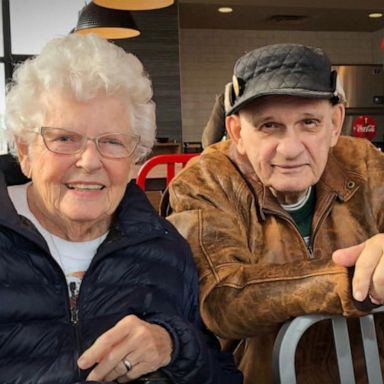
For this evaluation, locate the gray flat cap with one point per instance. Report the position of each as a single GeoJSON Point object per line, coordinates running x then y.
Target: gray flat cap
{"type": "Point", "coordinates": [282, 69]}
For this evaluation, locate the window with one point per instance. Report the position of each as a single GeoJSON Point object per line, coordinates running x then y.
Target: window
{"type": "Point", "coordinates": [3, 148]}
{"type": "Point", "coordinates": [32, 23]}
{"type": "Point", "coordinates": [1, 35]}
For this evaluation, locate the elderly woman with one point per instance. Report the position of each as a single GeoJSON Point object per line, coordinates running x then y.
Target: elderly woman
{"type": "Point", "coordinates": [94, 284]}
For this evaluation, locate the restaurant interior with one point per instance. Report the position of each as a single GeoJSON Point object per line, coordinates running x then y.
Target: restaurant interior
{"type": "Point", "coordinates": [189, 47]}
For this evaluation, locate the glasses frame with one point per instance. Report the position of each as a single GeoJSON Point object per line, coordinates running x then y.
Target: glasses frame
{"type": "Point", "coordinates": [85, 140]}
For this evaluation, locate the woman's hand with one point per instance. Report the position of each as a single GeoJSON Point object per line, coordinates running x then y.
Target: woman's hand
{"type": "Point", "coordinates": [368, 259]}
{"type": "Point", "coordinates": [144, 346]}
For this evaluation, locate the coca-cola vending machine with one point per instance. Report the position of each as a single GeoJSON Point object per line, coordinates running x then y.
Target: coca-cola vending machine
{"type": "Point", "coordinates": [364, 89]}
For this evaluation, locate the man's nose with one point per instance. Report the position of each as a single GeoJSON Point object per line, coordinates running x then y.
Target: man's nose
{"type": "Point", "coordinates": [290, 145]}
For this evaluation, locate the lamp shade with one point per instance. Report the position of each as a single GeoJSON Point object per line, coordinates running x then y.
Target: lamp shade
{"type": "Point", "coordinates": [105, 22]}
{"type": "Point", "coordinates": [134, 5]}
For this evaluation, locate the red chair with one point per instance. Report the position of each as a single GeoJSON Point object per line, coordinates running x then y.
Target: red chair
{"type": "Point", "coordinates": [170, 160]}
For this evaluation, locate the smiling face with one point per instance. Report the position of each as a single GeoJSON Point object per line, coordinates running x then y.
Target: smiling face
{"type": "Point", "coordinates": [287, 140]}
{"type": "Point", "coordinates": [75, 196]}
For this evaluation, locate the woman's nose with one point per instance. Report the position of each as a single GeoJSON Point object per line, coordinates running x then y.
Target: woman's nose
{"type": "Point", "coordinates": [89, 158]}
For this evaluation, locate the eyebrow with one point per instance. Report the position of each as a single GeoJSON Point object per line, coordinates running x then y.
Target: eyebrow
{"type": "Point", "coordinates": [255, 119]}
{"type": "Point", "coordinates": [316, 115]}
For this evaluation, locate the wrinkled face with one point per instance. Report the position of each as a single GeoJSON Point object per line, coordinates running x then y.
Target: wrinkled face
{"type": "Point", "coordinates": [287, 140]}
{"type": "Point", "coordinates": [77, 188]}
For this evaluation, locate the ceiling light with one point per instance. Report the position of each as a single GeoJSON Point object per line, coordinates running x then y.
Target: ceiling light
{"type": "Point", "coordinates": [375, 15]}
{"type": "Point", "coordinates": [225, 9]}
{"type": "Point", "coordinates": [107, 23]}
{"type": "Point", "coordinates": [134, 5]}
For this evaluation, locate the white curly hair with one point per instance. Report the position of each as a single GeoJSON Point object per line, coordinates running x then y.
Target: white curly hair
{"type": "Point", "coordinates": [80, 67]}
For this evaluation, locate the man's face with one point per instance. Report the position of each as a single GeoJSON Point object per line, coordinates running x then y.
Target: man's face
{"type": "Point", "coordinates": [287, 140]}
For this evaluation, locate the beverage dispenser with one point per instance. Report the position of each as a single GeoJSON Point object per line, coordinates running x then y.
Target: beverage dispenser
{"type": "Point", "coordinates": [364, 89]}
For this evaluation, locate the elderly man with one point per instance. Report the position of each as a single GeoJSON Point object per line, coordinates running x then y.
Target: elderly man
{"type": "Point", "coordinates": [278, 214]}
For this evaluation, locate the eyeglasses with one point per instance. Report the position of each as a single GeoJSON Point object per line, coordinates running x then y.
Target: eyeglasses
{"type": "Point", "coordinates": [65, 142]}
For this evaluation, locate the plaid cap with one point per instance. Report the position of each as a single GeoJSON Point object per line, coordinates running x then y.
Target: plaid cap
{"type": "Point", "coordinates": [282, 69]}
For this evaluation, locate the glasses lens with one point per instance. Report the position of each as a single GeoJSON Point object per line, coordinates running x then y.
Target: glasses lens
{"type": "Point", "coordinates": [117, 144]}
{"type": "Point", "coordinates": [61, 141]}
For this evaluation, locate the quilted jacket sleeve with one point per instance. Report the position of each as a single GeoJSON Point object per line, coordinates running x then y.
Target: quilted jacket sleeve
{"type": "Point", "coordinates": [197, 355]}
{"type": "Point", "coordinates": [238, 294]}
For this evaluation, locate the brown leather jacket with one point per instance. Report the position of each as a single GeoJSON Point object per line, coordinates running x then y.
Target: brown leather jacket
{"type": "Point", "coordinates": [255, 269]}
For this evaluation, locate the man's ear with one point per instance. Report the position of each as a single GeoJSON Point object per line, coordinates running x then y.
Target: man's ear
{"type": "Point", "coordinates": [233, 125]}
{"type": "Point", "coordinates": [338, 115]}
{"type": "Point", "coordinates": [23, 156]}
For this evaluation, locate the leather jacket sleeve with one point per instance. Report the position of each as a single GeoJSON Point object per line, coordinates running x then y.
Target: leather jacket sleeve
{"type": "Point", "coordinates": [239, 292]}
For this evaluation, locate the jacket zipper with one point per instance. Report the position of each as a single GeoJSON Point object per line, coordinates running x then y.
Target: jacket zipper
{"type": "Point", "coordinates": [328, 206]}
{"type": "Point", "coordinates": [74, 316]}
{"type": "Point", "coordinates": [73, 311]}
{"type": "Point", "coordinates": [308, 247]}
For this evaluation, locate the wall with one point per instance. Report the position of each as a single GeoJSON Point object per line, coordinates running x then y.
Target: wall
{"type": "Point", "coordinates": [207, 58]}
{"type": "Point", "coordinates": [378, 37]}
{"type": "Point", "coordinates": [158, 49]}
{"type": "Point", "coordinates": [34, 22]}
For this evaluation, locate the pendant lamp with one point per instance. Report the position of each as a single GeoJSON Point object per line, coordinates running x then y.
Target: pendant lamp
{"type": "Point", "coordinates": [105, 22]}
{"type": "Point", "coordinates": [134, 5]}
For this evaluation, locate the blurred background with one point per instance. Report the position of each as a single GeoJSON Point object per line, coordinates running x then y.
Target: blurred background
{"type": "Point", "coordinates": [189, 48]}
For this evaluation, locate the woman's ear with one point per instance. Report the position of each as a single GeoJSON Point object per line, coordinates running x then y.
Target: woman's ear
{"type": "Point", "coordinates": [233, 125]}
{"type": "Point", "coordinates": [23, 156]}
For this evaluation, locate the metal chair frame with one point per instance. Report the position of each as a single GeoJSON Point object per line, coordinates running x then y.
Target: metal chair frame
{"type": "Point", "coordinates": [291, 332]}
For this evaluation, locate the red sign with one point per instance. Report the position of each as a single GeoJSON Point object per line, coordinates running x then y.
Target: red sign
{"type": "Point", "coordinates": [364, 126]}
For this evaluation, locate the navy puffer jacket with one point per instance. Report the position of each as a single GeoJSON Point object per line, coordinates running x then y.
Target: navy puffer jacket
{"type": "Point", "coordinates": [144, 267]}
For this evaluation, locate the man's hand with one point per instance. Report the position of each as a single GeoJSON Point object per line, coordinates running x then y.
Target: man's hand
{"type": "Point", "coordinates": [144, 347]}
{"type": "Point", "coordinates": [368, 259]}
